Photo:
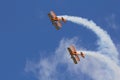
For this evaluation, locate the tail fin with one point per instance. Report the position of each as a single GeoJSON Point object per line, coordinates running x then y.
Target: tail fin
{"type": "Point", "coordinates": [82, 54]}
{"type": "Point", "coordinates": [64, 20]}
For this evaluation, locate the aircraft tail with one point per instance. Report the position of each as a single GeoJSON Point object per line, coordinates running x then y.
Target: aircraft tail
{"type": "Point", "coordinates": [82, 54]}
{"type": "Point", "coordinates": [64, 20]}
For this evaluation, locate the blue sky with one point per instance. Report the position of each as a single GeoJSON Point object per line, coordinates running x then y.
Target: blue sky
{"type": "Point", "coordinates": [27, 34]}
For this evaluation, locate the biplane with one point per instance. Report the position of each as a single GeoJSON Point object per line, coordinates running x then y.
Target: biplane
{"type": "Point", "coordinates": [56, 21]}
{"type": "Point", "coordinates": [74, 54]}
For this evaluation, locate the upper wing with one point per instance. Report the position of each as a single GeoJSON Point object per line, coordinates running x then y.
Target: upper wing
{"type": "Point", "coordinates": [52, 14]}
{"type": "Point", "coordinates": [73, 48]}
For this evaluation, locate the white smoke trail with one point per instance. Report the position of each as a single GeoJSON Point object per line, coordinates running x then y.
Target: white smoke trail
{"type": "Point", "coordinates": [95, 64]}
{"type": "Point", "coordinates": [99, 65]}
{"type": "Point", "coordinates": [102, 65]}
{"type": "Point", "coordinates": [107, 52]}
{"type": "Point", "coordinates": [106, 45]}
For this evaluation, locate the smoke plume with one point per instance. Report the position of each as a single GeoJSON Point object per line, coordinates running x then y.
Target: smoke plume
{"type": "Point", "coordinates": [97, 65]}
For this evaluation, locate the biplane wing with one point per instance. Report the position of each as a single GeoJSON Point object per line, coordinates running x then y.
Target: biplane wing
{"type": "Point", "coordinates": [57, 25]}
{"type": "Point", "coordinates": [53, 14]}
{"type": "Point", "coordinates": [72, 49]}
{"type": "Point", "coordinates": [74, 59]}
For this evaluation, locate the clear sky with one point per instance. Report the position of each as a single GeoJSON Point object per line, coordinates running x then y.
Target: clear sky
{"type": "Point", "coordinates": [26, 31]}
